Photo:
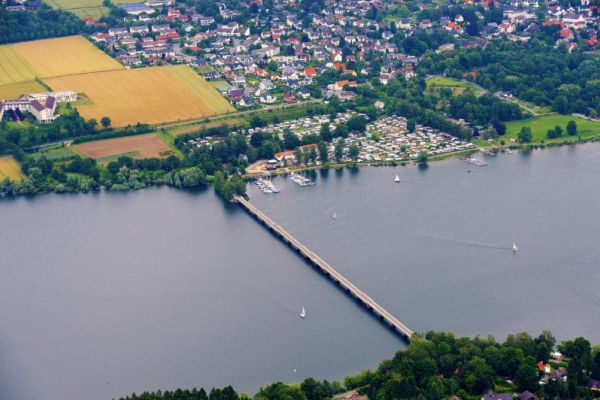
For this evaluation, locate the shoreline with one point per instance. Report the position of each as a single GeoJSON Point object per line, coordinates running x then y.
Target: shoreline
{"type": "Point", "coordinates": [348, 164]}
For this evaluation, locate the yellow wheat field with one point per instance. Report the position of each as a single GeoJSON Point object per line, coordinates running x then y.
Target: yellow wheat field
{"type": "Point", "coordinates": [14, 90]}
{"type": "Point", "coordinates": [202, 89]}
{"type": "Point", "coordinates": [63, 56]}
{"type": "Point", "coordinates": [147, 95]}
{"type": "Point", "coordinates": [14, 67]}
{"type": "Point", "coordinates": [10, 168]}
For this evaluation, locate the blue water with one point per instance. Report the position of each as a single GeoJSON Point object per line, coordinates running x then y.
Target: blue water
{"type": "Point", "coordinates": [106, 294]}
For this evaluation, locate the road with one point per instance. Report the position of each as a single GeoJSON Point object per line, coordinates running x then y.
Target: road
{"type": "Point", "coordinates": [239, 113]}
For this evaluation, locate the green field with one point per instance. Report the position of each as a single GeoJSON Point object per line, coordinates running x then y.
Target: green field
{"type": "Point", "coordinates": [220, 85]}
{"type": "Point", "coordinates": [84, 8]}
{"type": "Point", "coordinates": [540, 125]}
{"type": "Point", "coordinates": [457, 86]}
{"type": "Point", "coordinates": [56, 153]}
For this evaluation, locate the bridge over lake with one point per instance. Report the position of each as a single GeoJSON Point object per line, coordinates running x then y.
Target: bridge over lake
{"type": "Point", "coordinates": [360, 296]}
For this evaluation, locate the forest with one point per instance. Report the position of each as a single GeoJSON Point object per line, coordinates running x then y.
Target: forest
{"type": "Point", "coordinates": [19, 26]}
{"type": "Point", "coordinates": [533, 71]}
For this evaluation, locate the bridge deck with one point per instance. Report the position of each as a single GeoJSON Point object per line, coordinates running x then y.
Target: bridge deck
{"type": "Point", "coordinates": [327, 269]}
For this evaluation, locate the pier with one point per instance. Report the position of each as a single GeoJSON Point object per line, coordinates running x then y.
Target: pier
{"type": "Point", "coordinates": [327, 269]}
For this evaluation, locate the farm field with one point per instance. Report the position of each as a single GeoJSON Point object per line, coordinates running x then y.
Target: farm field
{"type": "Point", "coordinates": [139, 146]}
{"type": "Point", "coordinates": [13, 66]}
{"type": "Point", "coordinates": [540, 125]}
{"type": "Point", "coordinates": [10, 168]}
{"type": "Point", "coordinates": [202, 89]}
{"type": "Point", "coordinates": [65, 56]}
{"type": "Point", "coordinates": [148, 95]}
{"type": "Point", "coordinates": [14, 90]}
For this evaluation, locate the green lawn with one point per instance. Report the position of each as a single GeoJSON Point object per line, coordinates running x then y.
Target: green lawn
{"type": "Point", "coordinates": [169, 139]}
{"type": "Point", "coordinates": [540, 125]}
{"type": "Point", "coordinates": [457, 86]}
{"type": "Point", "coordinates": [530, 107]}
{"type": "Point", "coordinates": [56, 153]}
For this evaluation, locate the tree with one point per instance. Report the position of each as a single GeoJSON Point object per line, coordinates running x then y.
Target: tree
{"type": "Point", "coordinates": [105, 122]}
{"type": "Point", "coordinates": [571, 128]}
{"type": "Point", "coordinates": [477, 375]}
{"type": "Point", "coordinates": [312, 155]}
{"type": "Point", "coordinates": [422, 157]}
{"type": "Point", "coordinates": [323, 154]}
{"type": "Point", "coordinates": [558, 130]}
{"type": "Point", "coordinates": [326, 134]}
{"type": "Point", "coordinates": [298, 155]}
{"type": "Point", "coordinates": [357, 123]}
{"type": "Point", "coordinates": [500, 127]}
{"type": "Point", "coordinates": [525, 135]}
{"type": "Point", "coordinates": [561, 105]}
{"type": "Point", "coordinates": [411, 125]}
{"type": "Point", "coordinates": [339, 150]}
{"type": "Point", "coordinates": [353, 151]}
{"type": "Point", "coordinates": [290, 140]}
{"type": "Point", "coordinates": [341, 130]}
{"type": "Point", "coordinates": [526, 377]}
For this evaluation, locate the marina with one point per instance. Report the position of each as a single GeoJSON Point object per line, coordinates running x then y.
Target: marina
{"type": "Point", "coordinates": [301, 180]}
{"type": "Point", "coordinates": [473, 161]}
{"type": "Point", "coordinates": [266, 186]}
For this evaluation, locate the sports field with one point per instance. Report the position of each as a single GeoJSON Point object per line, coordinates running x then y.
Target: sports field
{"type": "Point", "coordinates": [14, 90]}
{"type": "Point", "coordinates": [10, 168]}
{"type": "Point", "coordinates": [148, 95]}
{"type": "Point", "coordinates": [84, 8]}
{"type": "Point", "coordinates": [434, 84]}
{"type": "Point", "coordinates": [139, 146]}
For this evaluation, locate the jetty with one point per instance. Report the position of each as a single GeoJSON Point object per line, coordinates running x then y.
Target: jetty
{"type": "Point", "coordinates": [312, 258]}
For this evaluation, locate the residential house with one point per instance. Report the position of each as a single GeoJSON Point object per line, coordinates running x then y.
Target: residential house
{"type": "Point", "coordinates": [267, 98]}
{"type": "Point", "coordinates": [527, 395]}
{"type": "Point", "coordinates": [491, 395]}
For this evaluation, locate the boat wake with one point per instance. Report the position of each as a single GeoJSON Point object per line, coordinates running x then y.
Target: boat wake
{"type": "Point", "coordinates": [468, 243]}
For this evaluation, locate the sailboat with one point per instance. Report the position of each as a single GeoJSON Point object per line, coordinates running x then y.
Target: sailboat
{"type": "Point", "coordinates": [514, 249]}
{"type": "Point", "coordinates": [397, 179]}
{"type": "Point", "coordinates": [333, 216]}
{"type": "Point", "coordinates": [303, 313]}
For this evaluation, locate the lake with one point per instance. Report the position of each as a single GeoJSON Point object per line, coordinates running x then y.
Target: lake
{"type": "Point", "coordinates": [109, 293]}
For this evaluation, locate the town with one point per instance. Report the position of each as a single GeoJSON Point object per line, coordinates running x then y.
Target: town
{"type": "Point", "coordinates": [266, 53]}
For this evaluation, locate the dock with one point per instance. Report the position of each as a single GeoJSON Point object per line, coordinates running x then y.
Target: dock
{"type": "Point", "coordinates": [312, 258]}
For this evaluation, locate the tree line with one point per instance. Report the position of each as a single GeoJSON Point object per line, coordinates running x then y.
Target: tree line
{"type": "Point", "coordinates": [19, 26]}
{"type": "Point", "coordinates": [439, 365]}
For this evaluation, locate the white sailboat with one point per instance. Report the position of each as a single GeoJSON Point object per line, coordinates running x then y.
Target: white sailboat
{"type": "Point", "coordinates": [514, 249]}
{"type": "Point", "coordinates": [333, 216]}
{"type": "Point", "coordinates": [397, 179]}
{"type": "Point", "coordinates": [303, 313]}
